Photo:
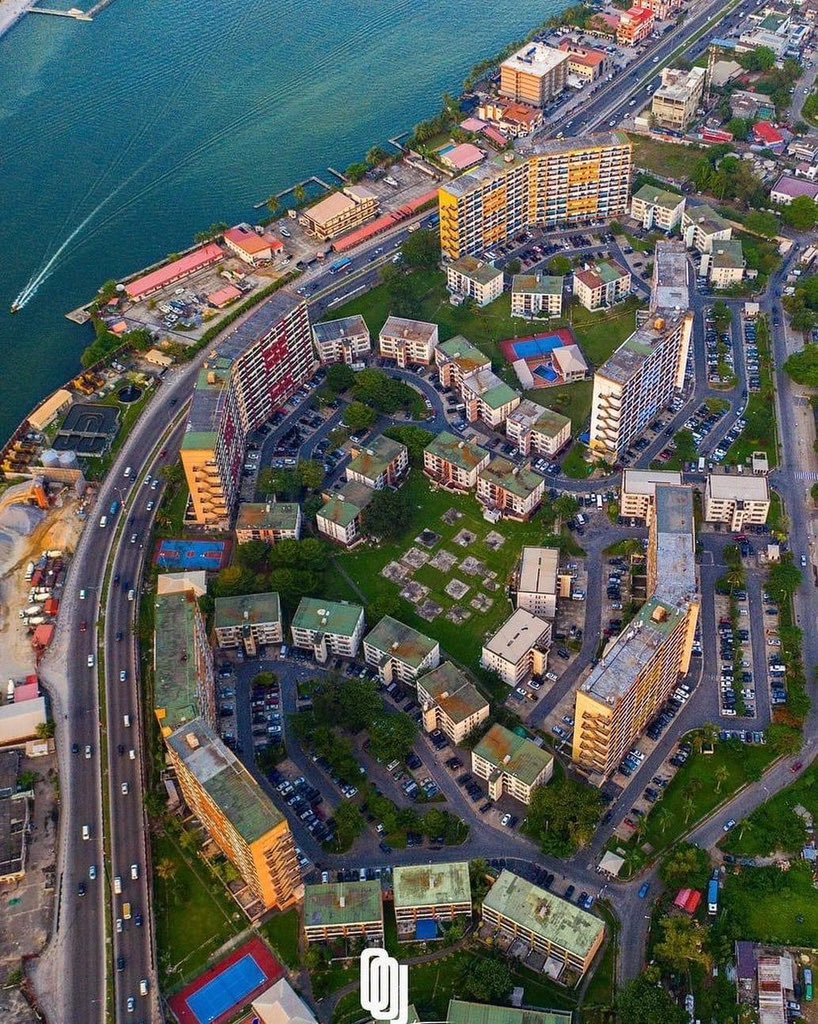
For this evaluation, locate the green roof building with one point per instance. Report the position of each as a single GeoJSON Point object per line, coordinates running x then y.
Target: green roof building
{"type": "Point", "coordinates": [379, 463]}
{"type": "Point", "coordinates": [549, 924]}
{"type": "Point", "coordinates": [184, 687]}
{"type": "Point", "coordinates": [339, 910]}
{"type": "Point", "coordinates": [251, 621]}
{"type": "Point", "coordinates": [451, 702]}
{"type": "Point", "coordinates": [270, 521]}
{"type": "Point", "coordinates": [461, 1012]}
{"type": "Point", "coordinates": [430, 892]}
{"type": "Point", "coordinates": [453, 461]}
{"type": "Point", "coordinates": [656, 207]}
{"type": "Point", "coordinates": [328, 627]}
{"type": "Point", "coordinates": [457, 358]}
{"type": "Point", "coordinates": [509, 489]}
{"type": "Point", "coordinates": [511, 764]}
{"type": "Point", "coordinates": [340, 517]}
{"type": "Point", "coordinates": [400, 652]}
{"type": "Point", "coordinates": [536, 295]}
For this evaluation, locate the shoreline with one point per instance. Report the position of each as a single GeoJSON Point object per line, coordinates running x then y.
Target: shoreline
{"type": "Point", "coordinates": [12, 11]}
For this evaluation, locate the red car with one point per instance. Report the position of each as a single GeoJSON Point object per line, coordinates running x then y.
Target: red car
{"type": "Point", "coordinates": [83, 626]}
{"type": "Point", "coordinates": [797, 767]}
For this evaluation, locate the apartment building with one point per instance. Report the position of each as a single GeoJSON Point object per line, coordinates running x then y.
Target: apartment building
{"type": "Point", "coordinates": [270, 521]}
{"type": "Point", "coordinates": [184, 683]}
{"type": "Point", "coordinates": [488, 398]}
{"type": "Point", "coordinates": [519, 648]}
{"type": "Point", "coordinates": [346, 340]}
{"type": "Point", "coordinates": [511, 765]}
{"type": "Point", "coordinates": [537, 430]}
{"type": "Point", "coordinates": [341, 517]}
{"type": "Point", "coordinates": [663, 10]}
{"type": "Point", "coordinates": [340, 212]}
{"type": "Point", "coordinates": [430, 892]}
{"type": "Point", "coordinates": [678, 97]}
{"type": "Point", "coordinates": [702, 227]}
{"type": "Point", "coordinates": [639, 489]}
{"type": "Point", "coordinates": [586, 64]}
{"type": "Point", "coordinates": [343, 910]}
{"type": "Point", "coordinates": [535, 74]}
{"type": "Point", "coordinates": [671, 284]}
{"type": "Point", "coordinates": [637, 381]}
{"type": "Point", "coordinates": [726, 264]}
{"type": "Point", "coordinates": [635, 25]}
{"type": "Point", "coordinates": [462, 1012]}
{"type": "Point", "coordinates": [379, 463]}
{"type": "Point", "coordinates": [451, 702]}
{"type": "Point", "coordinates": [788, 188]}
{"type": "Point", "coordinates": [639, 669]}
{"type": "Point", "coordinates": [249, 622]}
{"type": "Point", "coordinates": [399, 652]}
{"type": "Point", "coordinates": [255, 369]}
{"type": "Point", "coordinates": [515, 120]}
{"type": "Point", "coordinates": [654, 207]}
{"type": "Point", "coordinates": [549, 183]}
{"type": "Point", "coordinates": [602, 284]}
{"type": "Point", "coordinates": [408, 342]}
{"type": "Point", "coordinates": [328, 628]}
{"type": "Point", "coordinates": [509, 491]}
{"type": "Point", "coordinates": [457, 359]}
{"type": "Point", "coordinates": [239, 816]}
{"type": "Point", "coordinates": [474, 279]}
{"type": "Point", "coordinates": [736, 501]}
{"type": "Point", "coordinates": [548, 924]}
{"type": "Point", "coordinates": [251, 247]}
{"type": "Point", "coordinates": [537, 584]}
{"type": "Point", "coordinates": [536, 295]}
{"type": "Point", "coordinates": [453, 462]}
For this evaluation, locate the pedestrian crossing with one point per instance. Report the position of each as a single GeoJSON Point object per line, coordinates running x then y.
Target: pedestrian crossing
{"type": "Point", "coordinates": [802, 475]}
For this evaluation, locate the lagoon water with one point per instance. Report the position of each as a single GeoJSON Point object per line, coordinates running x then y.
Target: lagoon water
{"type": "Point", "coordinates": [122, 138]}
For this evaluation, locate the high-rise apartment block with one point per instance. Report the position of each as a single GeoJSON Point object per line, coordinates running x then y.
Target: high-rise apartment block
{"type": "Point", "coordinates": [549, 183]}
{"type": "Point", "coordinates": [534, 75]}
{"type": "Point", "coordinates": [255, 370]}
{"type": "Point", "coordinates": [649, 367]}
{"type": "Point", "coordinates": [639, 669]}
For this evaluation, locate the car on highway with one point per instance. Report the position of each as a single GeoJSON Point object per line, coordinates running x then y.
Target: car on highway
{"type": "Point", "coordinates": [803, 561]}
{"type": "Point", "coordinates": [133, 538]}
{"type": "Point", "coordinates": [75, 748]}
{"type": "Point", "coordinates": [123, 676]}
{"type": "Point", "coordinates": [728, 825]}
{"type": "Point", "coordinates": [131, 1004]}
{"type": "Point", "coordinates": [134, 871]}
{"type": "Point", "coordinates": [83, 626]}
{"type": "Point", "coordinates": [81, 889]}
{"type": "Point", "coordinates": [92, 872]}
{"type": "Point", "coordinates": [119, 924]}
{"type": "Point", "coordinates": [796, 767]}
{"type": "Point", "coordinates": [87, 751]}
{"type": "Point", "coordinates": [120, 963]}
{"type": "Point", "coordinates": [90, 661]}
{"type": "Point", "coordinates": [124, 788]}
{"type": "Point", "coordinates": [149, 507]}
{"type": "Point", "coordinates": [505, 820]}
{"type": "Point", "coordinates": [119, 634]}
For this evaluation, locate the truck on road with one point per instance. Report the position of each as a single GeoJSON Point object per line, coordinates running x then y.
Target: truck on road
{"type": "Point", "coordinates": [713, 896]}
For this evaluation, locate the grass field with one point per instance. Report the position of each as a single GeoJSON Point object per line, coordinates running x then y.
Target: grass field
{"type": "Point", "coordinates": [775, 825]}
{"type": "Point", "coordinates": [665, 158]}
{"type": "Point", "coordinates": [572, 400]}
{"type": "Point", "coordinates": [774, 906]}
{"type": "Point", "coordinates": [281, 932]}
{"type": "Point", "coordinates": [575, 465]}
{"type": "Point", "coordinates": [464, 641]}
{"type": "Point", "coordinates": [194, 916]}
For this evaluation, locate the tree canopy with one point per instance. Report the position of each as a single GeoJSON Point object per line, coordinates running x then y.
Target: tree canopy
{"type": "Point", "coordinates": [562, 816]}
{"type": "Point", "coordinates": [803, 366]}
{"type": "Point", "coordinates": [386, 514]}
{"type": "Point", "coordinates": [643, 1001]}
{"type": "Point", "coordinates": [359, 416]}
{"type": "Point", "coordinates": [687, 866]}
{"type": "Point", "coordinates": [801, 214]}
{"type": "Point", "coordinates": [421, 250]}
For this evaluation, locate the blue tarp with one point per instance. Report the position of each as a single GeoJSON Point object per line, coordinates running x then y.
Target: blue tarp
{"type": "Point", "coordinates": [425, 930]}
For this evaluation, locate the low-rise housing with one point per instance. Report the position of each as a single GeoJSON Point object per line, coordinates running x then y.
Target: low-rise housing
{"type": "Point", "coordinates": [456, 359]}
{"type": "Point", "coordinates": [252, 247]}
{"type": "Point", "coordinates": [340, 518]}
{"type": "Point", "coordinates": [537, 430]}
{"type": "Point", "coordinates": [328, 628]}
{"type": "Point", "coordinates": [474, 279]}
{"type": "Point", "coordinates": [639, 491]}
{"type": "Point", "coordinates": [751, 105]}
{"type": "Point", "coordinates": [702, 227]}
{"type": "Point", "coordinates": [768, 136]}
{"type": "Point", "coordinates": [726, 264]}
{"type": "Point", "coordinates": [430, 892]}
{"type": "Point", "coordinates": [519, 648]}
{"type": "Point", "coordinates": [343, 910]}
{"type": "Point", "coordinates": [342, 341]}
{"type": "Point", "coordinates": [408, 342]}
{"type": "Point", "coordinates": [270, 521]}
{"type": "Point", "coordinates": [676, 100]}
{"type": "Point", "coordinates": [399, 652]}
{"type": "Point", "coordinates": [461, 157]}
{"type": "Point", "coordinates": [505, 489]}
{"type": "Point", "coordinates": [656, 207]}
{"type": "Point", "coordinates": [515, 119]}
{"type": "Point", "coordinates": [340, 212]}
{"type": "Point", "coordinates": [586, 64]}
{"type": "Point", "coordinates": [454, 462]}
{"type": "Point", "coordinates": [550, 925]}
{"type": "Point", "coordinates": [511, 765]}
{"type": "Point", "coordinates": [250, 621]}
{"type": "Point", "coordinates": [379, 463]}
{"type": "Point", "coordinates": [461, 1012]}
{"type": "Point", "coordinates": [451, 702]}
{"type": "Point", "coordinates": [537, 583]}
{"type": "Point", "coordinates": [635, 24]}
{"type": "Point", "coordinates": [788, 188]}
{"type": "Point", "coordinates": [50, 409]}
{"type": "Point", "coordinates": [738, 501]}
{"type": "Point", "coordinates": [536, 295]}
{"type": "Point", "coordinates": [534, 75]}
{"type": "Point", "coordinates": [602, 284]}
{"type": "Point", "coordinates": [488, 398]}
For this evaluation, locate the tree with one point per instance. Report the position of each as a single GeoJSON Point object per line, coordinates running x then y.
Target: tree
{"type": "Point", "coordinates": [783, 580]}
{"type": "Point", "coordinates": [386, 515]}
{"type": "Point", "coordinates": [166, 869]}
{"type": "Point", "coordinates": [382, 392]}
{"type": "Point", "coordinates": [293, 584]}
{"type": "Point", "coordinates": [359, 416]}
{"type": "Point", "coordinates": [687, 805]}
{"type": "Point", "coordinates": [560, 266]}
{"type": "Point", "coordinates": [682, 944]}
{"type": "Point", "coordinates": [254, 556]}
{"type": "Point", "coordinates": [311, 474]}
{"type": "Point", "coordinates": [702, 174]}
{"type": "Point", "coordinates": [299, 193]}
{"type": "Point", "coordinates": [721, 774]}
{"type": "Point", "coordinates": [45, 730]}
{"type": "Point", "coordinates": [760, 59]}
{"type": "Point", "coordinates": [514, 266]}
{"type": "Point", "coordinates": [739, 128]}
{"type": "Point", "coordinates": [265, 680]}
{"type": "Point", "coordinates": [350, 704]}
{"type": "Point", "coordinates": [801, 214]}
{"type": "Point", "coordinates": [416, 440]}
{"type": "Point", "coordinates": [376, 155]}
{"type": "Point", "coordinates": [566, 506]}
{"type": "Point", "coordinates": [762, 223]}
{"type": "Point", "coordinates": [27, 780]}
{"type": "Point", "coordinates": [685, 867]}
{"type": "Point", "coordinates": [277, 482]}
{"type": "Point", "coordinates": [273, 204]}
{"type": "Point", "coordinates": [784, 739]}
{"type": "Point", "coordinates": [340, 377]}
{"type": "Point", "coordinates": [802, 366]}
{"type": "Point", "coordinates": [486, 979]}
{"type": "Point", "coordinates": [355, 172]}
{"type": "Point", "coordinates": [421, 250]}
{"type": "Point", "coordinates": [643, 1001]}
{"type": "Point", "coordinates": [563, 815]}
{"type": "Point", "coordinates": [349, 823]}
{"type": "Point", "coordinates": [391, 737]}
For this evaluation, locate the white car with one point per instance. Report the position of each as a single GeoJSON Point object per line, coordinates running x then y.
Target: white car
{"type": "Point", "coordinates": [90, 661]}
{"type": "Point", "coordinates": [124, 788]}
{"type": "Point", "coordinates": [505, 820]}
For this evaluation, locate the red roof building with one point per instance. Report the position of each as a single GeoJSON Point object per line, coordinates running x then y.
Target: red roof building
{"type": "Point", "coordinates": [250, 246]}
{"type": "Point", "coordinates": [173, 272]}
{"type": "Point", "coordinates": [766, 135]}
{"type": "Point", "coordinates": [26, 691]}
{"type": "Point", "coordinates": [635, 24]}
{"type": "Point", "coordinates": [223, 297]}
{"type": "Point", "coordinates": [462, 157]}
{"type": "Point", "coordinates": [586, 64]}
{"type": "Point", "coordinates": [494, 136]}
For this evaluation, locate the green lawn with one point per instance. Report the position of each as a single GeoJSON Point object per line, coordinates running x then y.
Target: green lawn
{"type": "Point", "coordinates": [281, 932]}
{"type": "Point", "coordinates": [463, 642]}
{"type": "Point", "coordinates": [194, 916]}
{"type": "Point", "coordinates": [572, 400]}
{"type": "Point", "coordinates": [775, 825]}
{"type": "Point", "coordinates": [665, 158]}
{"type": "Point", "coordinates": [599, 334]}
{"type": "Point", "coordinates": [694, 792]}
{"type": "Point", "coordinates": [575, 465]}
{"type": "Point", "coordinates": [773, 906]}
{"type": "Point", "coordinates": [601, 990]}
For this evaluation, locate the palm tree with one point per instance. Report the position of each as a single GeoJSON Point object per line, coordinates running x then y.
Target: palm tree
{"type": "Point", "coordinates": [273, 205]}
{"type": "Point", "coordinates": [376, 156]}
{"type": "Point", "coordinates": [662, 819]}
{"type": "Point", "coordinates": [720, 775]}
{"type": "Point", "coordinates": [300, 193]}
{"type": "Point", "coordinates": [166, 869]}
{"type": "Point", "coordinates": [687, 805]}
{"type": "Point", "coordinates": [736, 578]}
